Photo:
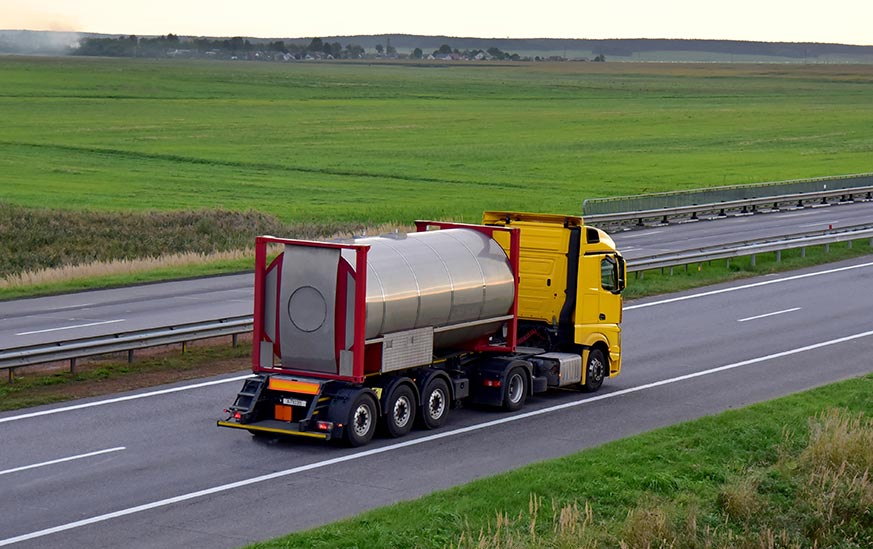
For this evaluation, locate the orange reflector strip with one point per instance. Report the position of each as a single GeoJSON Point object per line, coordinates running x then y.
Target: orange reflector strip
{"type": "Point", "coordinates": [292, 386]}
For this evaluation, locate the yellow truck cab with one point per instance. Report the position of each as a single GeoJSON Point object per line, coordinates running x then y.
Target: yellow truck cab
{"type": "Point", "coordinates": [570, 283]}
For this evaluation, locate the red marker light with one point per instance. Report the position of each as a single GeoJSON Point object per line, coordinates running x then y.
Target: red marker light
{"type": "Point", "coordinates": [237, 415]}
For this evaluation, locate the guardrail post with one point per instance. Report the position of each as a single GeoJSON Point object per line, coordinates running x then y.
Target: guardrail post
{"type": "Point", "coordinates": [234, 340]}
{"type": "Point", "coordinates": [778, 256]}
{"type": "Point", "coordinates": [130, 356]}
{"type": "Point", "coordinates": [754, 260]}
{"type": "Point", "coordinates": [727, 264]}
{"type": "Point", "coordinates": [11, 375]}
{"type": "Point", "coordinates": [803, 252]}
{"type": "Point", "coordinates": [849, 244]}
{"type": "Point", "coordinates": [827, 248]}
{"type": "Point", "coordinates": [72, 365]}
{"type": "Point", "coordinates": [184, 347]}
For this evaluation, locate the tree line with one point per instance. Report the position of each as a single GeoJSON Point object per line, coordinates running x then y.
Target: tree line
{"type": "Point", "coordinates": [172, 45]}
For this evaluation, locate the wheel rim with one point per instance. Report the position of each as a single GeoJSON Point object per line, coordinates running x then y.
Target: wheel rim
{"type": "Point", "coordinates": [516, 388]}
{"type": "Point", "coordinates": [436, 404]}
{"type": "Point", "coordinates": [595, 370]}
{"type": "Point", "coordinates": [363, 420]}
{"type": "Point", "coordinates": [402, 413]}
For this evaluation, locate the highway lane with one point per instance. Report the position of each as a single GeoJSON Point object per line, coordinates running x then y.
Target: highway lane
{"type": "Point", "coordinates": [718, 231]}
{"type": "Point", "coordinates": [103, 312]}
{"type": "Point", "coordinates": [743, 342]}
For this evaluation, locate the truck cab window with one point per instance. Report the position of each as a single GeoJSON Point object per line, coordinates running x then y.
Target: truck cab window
{"type": "Point", "coordinates": [609, 274]}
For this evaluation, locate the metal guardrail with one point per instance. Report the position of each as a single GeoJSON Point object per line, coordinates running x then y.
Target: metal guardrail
{"type": "Point", "coordinates": [750, 248]}
{"type": "Point", "coordinates": [18, 357]}
{"type": "Point", "coordinates": [73, 349]}
{"type": "Point", "coordinates": [729, 193]}
{"type": "Point", "coordinates": [745, 205]}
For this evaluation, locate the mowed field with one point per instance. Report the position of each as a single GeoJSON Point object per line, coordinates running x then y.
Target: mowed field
{"type": "Point", "coordinates": [393, 142]}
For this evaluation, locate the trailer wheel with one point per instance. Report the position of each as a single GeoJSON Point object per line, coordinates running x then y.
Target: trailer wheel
{"type": "Point", "coordinates": [401, 411]}
{"type": "Point", "coordinates": [516, 390]}
{"type": "Point", "coordinates": [435, 403]}
{"type": "Point", "coordinates": [362, 420]}
{"type": "Point", "coordinates": [595, 371]}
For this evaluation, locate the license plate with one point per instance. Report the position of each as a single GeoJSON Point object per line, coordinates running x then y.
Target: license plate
{"type": "Point", "coordinates": [293, 401]}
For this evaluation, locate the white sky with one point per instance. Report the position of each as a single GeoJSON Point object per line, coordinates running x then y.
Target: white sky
{"type": "Point", "coordinates": [840, 21]}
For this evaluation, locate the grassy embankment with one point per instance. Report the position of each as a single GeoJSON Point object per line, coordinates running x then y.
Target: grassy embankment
{"type": "Point", "coordinates": [790, 473]}
{"type": "Point", "coordinates": [323, 144]}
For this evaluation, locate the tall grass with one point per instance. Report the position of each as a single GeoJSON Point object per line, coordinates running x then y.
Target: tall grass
{"type": "Point", "coordinates": [821, 496]}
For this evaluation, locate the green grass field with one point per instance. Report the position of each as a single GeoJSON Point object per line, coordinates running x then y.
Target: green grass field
{"type": "Point", "coordinates": [377, 143]}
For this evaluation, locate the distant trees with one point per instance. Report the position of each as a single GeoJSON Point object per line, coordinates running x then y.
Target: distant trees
{"type": "Point", "coordinates": [238, 47]}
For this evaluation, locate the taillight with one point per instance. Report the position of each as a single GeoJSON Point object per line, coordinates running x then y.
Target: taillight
{"type": "Point", "coordinates": [491, 383]}
{"type": "Point", "coordinates": [237, 415]}
{"type": "Point", "coordinates": [323, 425]}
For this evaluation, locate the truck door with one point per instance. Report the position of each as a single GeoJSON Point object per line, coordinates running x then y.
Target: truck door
{"type": "Point", "coordinates": [602, 279]}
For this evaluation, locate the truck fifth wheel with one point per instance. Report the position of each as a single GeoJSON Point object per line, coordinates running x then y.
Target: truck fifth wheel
{"type": "Point", "coordinates": [395, 330]}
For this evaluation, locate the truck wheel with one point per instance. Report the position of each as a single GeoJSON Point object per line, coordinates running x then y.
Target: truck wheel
{"type": "Point", "coordinates": [362, 420]}
{"type": "Point", "coordinates": [595, 371]}
{"type": "Point", "coordinates": [401, 412]}
{"type": "Point", "coordinates": [516, 390]}
{"type": "Point", "coordinates": [435, 403]}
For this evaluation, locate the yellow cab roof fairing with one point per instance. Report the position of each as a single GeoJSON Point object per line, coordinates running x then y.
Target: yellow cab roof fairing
{"type": "Point", "coordinates": [506, 218]}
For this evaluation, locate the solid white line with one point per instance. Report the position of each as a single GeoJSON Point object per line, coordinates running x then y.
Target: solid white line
{"type": "Point", "coordinates": [745, 286]}
{"type": "Point", "coordinates": [62, 460]}
{"type": "Point", "coordinates": [769, 314]}
{"type": "Point", "coordinates": [123, 399]}
{"type": "Point", "coordinates": [71, 327]}
{"type": "Point", "coordinates": [415, 442]}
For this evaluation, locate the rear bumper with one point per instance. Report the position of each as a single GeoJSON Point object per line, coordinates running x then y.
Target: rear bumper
{"type": "Point", "coordinates": [275, 427]}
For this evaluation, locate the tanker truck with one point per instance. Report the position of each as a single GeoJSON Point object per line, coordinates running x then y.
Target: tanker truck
{"type": "Point", "coordinates": [391, 331]}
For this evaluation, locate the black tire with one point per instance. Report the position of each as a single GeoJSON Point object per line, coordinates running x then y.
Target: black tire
{"type": "Point", "coordinates": [400, 413]}
{"type": "Point", "coordinates": [435, 403]}
{"type": "Point", "coordinates": [361, 423]}
{"type": "Point", "coordinates": [515, 391]}
{"type": "Point", "coordinates": [595, 371]}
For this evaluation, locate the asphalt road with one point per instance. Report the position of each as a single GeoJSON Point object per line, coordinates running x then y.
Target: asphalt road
{"type": "Point", "coordinates": [104, 312]}
{"type": "Point", "coordinates": [167, 477]}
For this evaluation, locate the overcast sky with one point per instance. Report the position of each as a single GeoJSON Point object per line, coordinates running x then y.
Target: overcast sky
{"type": "Point", "coordinates": [839, 21]}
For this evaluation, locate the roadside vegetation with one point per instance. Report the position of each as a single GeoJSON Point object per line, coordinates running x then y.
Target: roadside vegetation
{"type": "Point", "coordinates": [791, 473]}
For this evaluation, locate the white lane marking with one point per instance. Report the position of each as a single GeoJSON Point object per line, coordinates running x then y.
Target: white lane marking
{"type": "Point", "coordinates": [819, 223]}
{"type": "Point", "coordinates": [769, 314]}
{"type": "Point", "coordinates": [416, 442]}
{"type": "Point", "coordinates": [71, 327]}
{"type": "Point", "coordinates": [123, 399]}
{"type": "Point", "coordinates": [62, 460]}
{"type": "Point", "coordinates": [746, 286]}
{"type": "Point", "coordinates": [635, 235]}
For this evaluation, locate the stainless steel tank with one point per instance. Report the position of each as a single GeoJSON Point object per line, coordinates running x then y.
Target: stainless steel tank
{"type": "Point", "coordinates": [436, 279]}
{"type": "Point", "coordinates": [425, 291]}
